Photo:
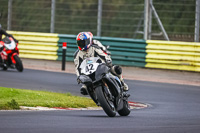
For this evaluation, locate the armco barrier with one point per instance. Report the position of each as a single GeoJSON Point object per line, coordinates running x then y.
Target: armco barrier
{"type": "Point", "coordinates": [173, 55]}
{"type": "Point", "coordinates": [126, 52]}
{"type": "Point", "coordinates": [37, 45]}
{"type": "Point", "coordinates": [71, 46]}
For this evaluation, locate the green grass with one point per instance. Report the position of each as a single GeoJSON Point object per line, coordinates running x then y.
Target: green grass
{"type": "Point", "coordinates": [11, 98]}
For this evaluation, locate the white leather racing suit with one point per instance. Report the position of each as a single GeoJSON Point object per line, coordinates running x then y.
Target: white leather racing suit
{"type": "Point", "coordinates": [97, 50]}
{"type": "Point", "coordinates": [93, 51]}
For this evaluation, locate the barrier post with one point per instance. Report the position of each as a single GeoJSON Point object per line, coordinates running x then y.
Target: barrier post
{"type": "Point", "coordinates": [64, 47]}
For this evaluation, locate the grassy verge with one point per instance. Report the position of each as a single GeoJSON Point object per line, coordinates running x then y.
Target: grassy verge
{"type": "Point", "coordinates": [11, 98]}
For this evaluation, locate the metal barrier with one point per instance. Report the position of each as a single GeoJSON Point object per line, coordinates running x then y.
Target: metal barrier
{"type": "Point", "coordinates": [173, 55]}
{"type": "Point", "coordinates": [37, 45]}
{"type": "Point", "coordinates": [71, 46]}
{"type": "Point", "coordinates": [126, 52]}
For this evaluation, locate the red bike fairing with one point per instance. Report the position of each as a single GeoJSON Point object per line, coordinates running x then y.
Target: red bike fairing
{"type": "Point", "coordinates": [5, 52]}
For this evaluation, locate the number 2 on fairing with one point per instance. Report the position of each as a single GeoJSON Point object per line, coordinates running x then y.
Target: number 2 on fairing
{"type": "Point", "coordinates": [89, 67]}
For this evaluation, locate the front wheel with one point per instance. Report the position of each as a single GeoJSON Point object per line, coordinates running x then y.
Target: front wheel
{"type": "Point", "coordinates": [18, 65]}
{"type": "Point", "coordinates": [125, 111]}
{"type": "Point", "coordinates": [105, 103]}
{"type": "Point", "coordinates": [2, 64]}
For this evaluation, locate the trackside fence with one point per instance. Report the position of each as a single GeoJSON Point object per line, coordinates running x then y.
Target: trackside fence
{"type": "Point", "coordinates": [127, 52]}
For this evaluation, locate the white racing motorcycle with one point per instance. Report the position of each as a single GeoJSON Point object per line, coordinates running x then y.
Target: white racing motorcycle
{"type": "Point", "coordinates": [104, 88]}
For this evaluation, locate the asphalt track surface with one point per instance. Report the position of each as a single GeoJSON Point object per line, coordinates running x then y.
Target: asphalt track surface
{"type": "Point", "coordinates": [174, 108]}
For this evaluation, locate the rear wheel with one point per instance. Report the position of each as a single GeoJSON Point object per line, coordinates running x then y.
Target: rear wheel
{"type": "Point", "coordinates": [126, 109]}
{"type": "Point", "coordinates": [105, 103]}
{"type": "Point", "coordinates": [18, 65]}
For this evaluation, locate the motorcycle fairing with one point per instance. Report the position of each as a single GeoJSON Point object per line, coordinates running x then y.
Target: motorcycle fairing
{"type": "Point", "coordinates": [85, 79]}
{"type": "Point", "coordinates": [12, 58]}
{"type": "Point", "coordinates": [101, 71]}
{"type": "Point", "coordinates": [10, 49]}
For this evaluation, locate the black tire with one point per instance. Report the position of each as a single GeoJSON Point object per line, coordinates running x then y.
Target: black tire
{"type": "Point", "coordinates": [93, 96]}
{"type": "Point", "coordinates": [105, 103]}
{"type": "Point", "coordinates": [18, 65]}
{"type": "Point", "coordinates": [2, 65]}
{"type": "Point", "coordinates": [5, 68]}
{"type": "Point", "coordinates": [0, 59]}
{"type": "Point", "coordinates": [126, 109]}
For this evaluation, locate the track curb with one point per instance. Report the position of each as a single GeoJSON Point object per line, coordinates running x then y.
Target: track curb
{"type": "Point", "coordinates": [133, 105]}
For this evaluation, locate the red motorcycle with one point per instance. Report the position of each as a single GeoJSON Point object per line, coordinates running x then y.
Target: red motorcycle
{"type": "Point", "coordinates": [9, 57]}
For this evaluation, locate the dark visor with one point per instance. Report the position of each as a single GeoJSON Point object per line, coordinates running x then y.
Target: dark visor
{"type": "Point", "coordinates": [83, 43]}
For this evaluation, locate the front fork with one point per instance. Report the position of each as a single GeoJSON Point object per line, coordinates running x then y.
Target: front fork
{"type": "Point", "coordinates": [12, 58]}
{"type": "Point", "coordinates": [107, 91]}
{"type": "Point", "coordinates": [104, 86]}
{"type": "Point", "coordinates": [119, 98]}
{"type": "Point", "coordinates": [6, 53]}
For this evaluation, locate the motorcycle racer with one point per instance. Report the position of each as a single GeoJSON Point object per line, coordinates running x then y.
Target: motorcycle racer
{"type": "Point", "coordinates": [87, 47]}
{"type": "Point", "coordinates": [3, 32]}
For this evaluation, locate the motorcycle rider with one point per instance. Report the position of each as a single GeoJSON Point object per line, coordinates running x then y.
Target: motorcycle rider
{"type": "Point", "coordinates": [3, 32]}
{"type": "Point", "coordinates": [87, 47]}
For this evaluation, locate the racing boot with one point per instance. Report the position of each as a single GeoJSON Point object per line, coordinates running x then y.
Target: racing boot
{"type": "Point", "coordinates": [84, 90]}
{"type": "Point", "coordinates": [124, 84]}
{"type": "Point", "coordinates": [117, 70]}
